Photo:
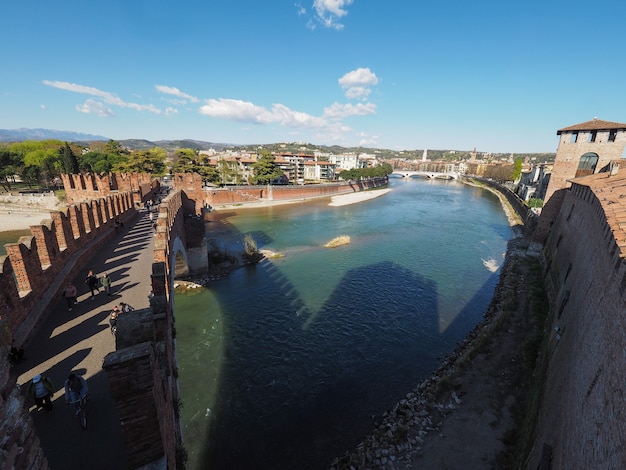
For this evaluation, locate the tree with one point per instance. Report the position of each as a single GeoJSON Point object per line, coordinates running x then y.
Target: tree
{"type": "Point", "coordinates": [144, 161]}
{"type": "Point", "coordinates": [517, 169]}
{"type": "Point", "coordinates": [185, 161]}
{"type": "Point", "coordinates": [265, 170]}
{"type": "Point", "coordinates": [69, 161]}
{"type": "Point", "coordinates": [9, 164]}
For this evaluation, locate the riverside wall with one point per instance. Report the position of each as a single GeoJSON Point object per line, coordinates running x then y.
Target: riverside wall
{"type": "Point", "coordinates": [191, 184]}
{"type": "Point", "coordinates": [581, 424]}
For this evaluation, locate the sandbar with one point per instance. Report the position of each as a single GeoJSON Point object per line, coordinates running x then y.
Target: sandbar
{"type": "Point", "coordinates": [353, 198]}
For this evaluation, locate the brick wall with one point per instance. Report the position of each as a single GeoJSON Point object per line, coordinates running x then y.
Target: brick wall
{"type": "Point", "coordinates": [583, 414]}
{"type": "Point", "coordinates": [86, 187]}
{"type": "Point", "coordinates": [19, 446]}
{"type": "Point", "coordinates": [566, 162]}
{"type": "Point", "coordinates": [149, 406]}
{"type": "Point", "coordinates": [131, 376]}
{"type": "Point", "coordinates": [191, 184]}
{"type": "Point", "coordinates": [33, 263]}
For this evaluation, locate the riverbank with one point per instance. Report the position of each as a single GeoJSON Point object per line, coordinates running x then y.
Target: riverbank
{"type": "Point", "coordinates": [335, 201]}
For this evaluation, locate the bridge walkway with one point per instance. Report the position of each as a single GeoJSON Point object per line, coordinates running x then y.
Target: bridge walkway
{"type": "Point", "coordinates": [78, 341]}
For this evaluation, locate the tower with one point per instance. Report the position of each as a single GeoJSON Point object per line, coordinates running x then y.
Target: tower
{"type": "Point", "coordinates": [584, 149]}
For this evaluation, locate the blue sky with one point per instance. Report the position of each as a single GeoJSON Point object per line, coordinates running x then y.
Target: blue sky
{"type": "Point", "coordinates": [399, 74]}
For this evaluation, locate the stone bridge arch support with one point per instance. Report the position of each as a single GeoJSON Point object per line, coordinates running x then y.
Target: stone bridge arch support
{"type": "Point", "coordinates": [179, 260]}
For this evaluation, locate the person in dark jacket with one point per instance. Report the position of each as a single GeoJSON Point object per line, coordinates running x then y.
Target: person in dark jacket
{"type": "Point", "coordinates": [92, 283]}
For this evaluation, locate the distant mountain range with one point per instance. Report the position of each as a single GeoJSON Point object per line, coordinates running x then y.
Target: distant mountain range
{"type": "Point", "coordinates": [18, 135]}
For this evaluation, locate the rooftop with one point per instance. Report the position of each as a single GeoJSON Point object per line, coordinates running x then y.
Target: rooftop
{"type": "Point", "coordinates": [594, 125]}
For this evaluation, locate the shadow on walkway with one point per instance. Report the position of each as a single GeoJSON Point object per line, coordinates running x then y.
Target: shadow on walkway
{"type": "Point", "coordinates": [77, 341]}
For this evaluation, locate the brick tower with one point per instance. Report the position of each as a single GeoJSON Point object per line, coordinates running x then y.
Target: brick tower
{"type": "Point", "coordinates": [584, 149]}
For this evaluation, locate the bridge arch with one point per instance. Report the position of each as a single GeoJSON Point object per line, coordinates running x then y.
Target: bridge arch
{"type": "Point", "coordinates": [179, 260]}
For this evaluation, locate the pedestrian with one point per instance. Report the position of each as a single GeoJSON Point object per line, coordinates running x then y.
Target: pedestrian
{"type": "Point", "coordinates": [41, 389]}
{"type": "Point", "coordinates": [16, 355]}
{"type": "Point", "coordinates": [69, 292]}
{"type": "Point", "coordinates": [125, 308]}
{"type": "Point", "coordinates": [105, 282]}
{"type": "Point", "coordinates": [113, 319]}
{"type": "Point", "coordinates": [92, 283]}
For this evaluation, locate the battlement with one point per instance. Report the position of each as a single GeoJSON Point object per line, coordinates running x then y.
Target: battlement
{"type": "Point", "coordinates": [33, 263]}
{"type": "Point", "coordinates": [86, 187]}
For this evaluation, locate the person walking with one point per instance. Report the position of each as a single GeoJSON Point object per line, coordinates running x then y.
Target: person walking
{"type": "Point", "coordinates": [105, 282]}
{"type": "Point", "coordinates": [69, 292]}
{"type": "Point", "coordinates": [92, 283]}
{"type": "Point", "coordinates": [125, 308]}
{"type": "Point", "coordinates": [41, 389]}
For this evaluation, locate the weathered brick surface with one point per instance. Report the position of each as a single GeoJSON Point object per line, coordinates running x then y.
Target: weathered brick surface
{"type": "Point", "coordinates": [131, 376]}
{"type": "Point", "coordinates": [583, 414]}
{"type": "Point", "coordinates": [19, 446]}
{"type": "Point", "coordinates": [87, 187]}
{"type": "Point", "coordinates": [34, 262]}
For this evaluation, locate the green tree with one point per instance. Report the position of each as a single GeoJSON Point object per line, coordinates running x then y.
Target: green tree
{"type": "Point", "coordinates": [9, 167]}
{"type": "Point", "coordinates": [265, 169]}
{"type": "Point", "coordinates": [144, 161]}
{"type": "Point", "coordinates": [99, 162]}
{"type": "Point", "coordinates": [69, 161]}
{"type": "Point", "coordinates": [185, 161]}
{"type": "Point", "coordinates": [517, 169]}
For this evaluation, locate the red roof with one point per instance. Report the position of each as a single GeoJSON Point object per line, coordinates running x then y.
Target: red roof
{"type": "Point", "coordinates": [594, 125]}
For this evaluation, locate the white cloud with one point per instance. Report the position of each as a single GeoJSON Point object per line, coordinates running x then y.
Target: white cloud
{"type": "Point", "coordinates": [246, 111]}
{"type": "Point", "coordinates": [171, 111]}
{"type": "Point", "coordinates": [340, 111]}
{"type": "Point", "coordinates": [362, 76]}
{"type": "Point", "coordinates": [168, 90]}
{"type": "Point", "coordinates": [301, 9]}
{"type": "Point", "coordinates": [105, 96]}
{"type": "Point", "coordinates": [357, 83]}
{"type": "Point", "coordinates": [329, 11]}
{"type": "Point", "coordinates": [94, 107]}
{"type": "Point", "coordinates": [357, 92]}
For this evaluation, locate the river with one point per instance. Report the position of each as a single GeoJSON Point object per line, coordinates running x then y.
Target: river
{"type": "Point", "coordinates": [287, 364]}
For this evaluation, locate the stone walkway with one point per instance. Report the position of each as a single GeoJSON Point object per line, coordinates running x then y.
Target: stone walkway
{"type": "Point", "coordinates": [78, 341]}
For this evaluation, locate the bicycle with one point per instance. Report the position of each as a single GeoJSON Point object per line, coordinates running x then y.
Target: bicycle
{"type": "Point", "coordinates": [81, 411]}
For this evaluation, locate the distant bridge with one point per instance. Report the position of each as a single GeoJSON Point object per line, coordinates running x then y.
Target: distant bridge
{"type": "Point", "coordinates": [426, 174]}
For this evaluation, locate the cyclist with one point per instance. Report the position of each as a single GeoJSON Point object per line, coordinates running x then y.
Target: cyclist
{"type": "Point", "coordinates": [75, 389]}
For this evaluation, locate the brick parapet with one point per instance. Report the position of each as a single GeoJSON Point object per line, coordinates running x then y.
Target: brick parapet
{"type": "Point", "coordinates": [133, 374]}
{"type": "Point", "coordinates": [19, 445]}
{"type": "Point", "coordinates": [582, 413]}
{"type": "Point", "coordinates": [87, 187]}
{"type": "Point", "coordinates": [33, 263]}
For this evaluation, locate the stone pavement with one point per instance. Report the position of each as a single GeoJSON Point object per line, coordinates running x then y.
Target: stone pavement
{"type": "Point", "coordinates": [78, 341]}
